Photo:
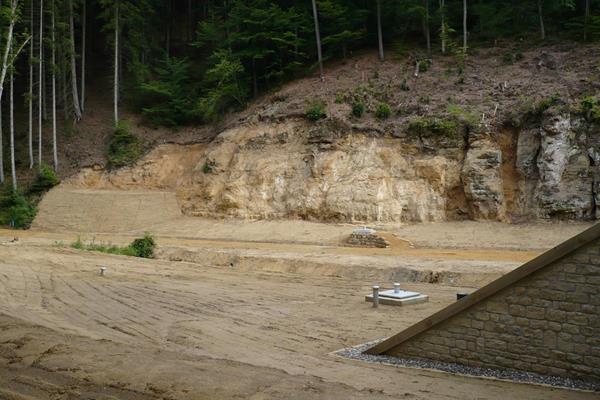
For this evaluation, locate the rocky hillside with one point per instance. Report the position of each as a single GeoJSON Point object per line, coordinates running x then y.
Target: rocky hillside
{"type": "Point", "coordinates": [503, 137]}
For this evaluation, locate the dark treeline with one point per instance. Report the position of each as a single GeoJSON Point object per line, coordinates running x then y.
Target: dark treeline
{"type": "Point", "coordinates": [188, 61]}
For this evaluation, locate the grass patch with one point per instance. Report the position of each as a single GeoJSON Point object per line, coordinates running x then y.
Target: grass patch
{"type": "Point", "coordinates": [141, 247]}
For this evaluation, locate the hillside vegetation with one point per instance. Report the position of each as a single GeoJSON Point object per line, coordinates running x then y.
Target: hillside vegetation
{"type": "Point", "coordinates": [502, 96]}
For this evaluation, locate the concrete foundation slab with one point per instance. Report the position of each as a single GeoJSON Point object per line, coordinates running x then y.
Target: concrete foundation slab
{"type": "Point", "coordinates": [390, 301]}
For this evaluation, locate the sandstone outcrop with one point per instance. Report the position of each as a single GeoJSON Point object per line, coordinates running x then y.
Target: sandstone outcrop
{"type": "Point", "coordinates": [293, 168]}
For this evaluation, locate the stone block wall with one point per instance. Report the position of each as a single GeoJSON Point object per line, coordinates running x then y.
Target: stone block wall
{"type": "Point", "coordinates": [547, 323]}
{"type": "Point", "coordinates": [367, 240]}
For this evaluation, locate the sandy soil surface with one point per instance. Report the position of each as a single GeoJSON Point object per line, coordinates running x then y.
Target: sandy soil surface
{"type": "Point", "coordinates": [133, 212]}
{"type": "Point", "coordinates": [166, 330]}
{"type": "Point", "coordinates": [233, 309]}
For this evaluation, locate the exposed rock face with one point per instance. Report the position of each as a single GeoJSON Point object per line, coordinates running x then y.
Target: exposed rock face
{"type": "Point", "coordinates": [335, 171]}
{"type": "Point", "coordinates": [557, 164]}
{"type": "Point", "coordinates": [482, 180]}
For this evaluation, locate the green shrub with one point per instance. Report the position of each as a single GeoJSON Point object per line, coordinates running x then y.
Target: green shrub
{"type": "Point", "coordinates": [208, 167]}
{"type": "Point", "coordinates": [404, 85]}
{"type": "Point", "coordinates": [469, 118]}
{"type": "Point", "coordinates": [508, 58]}
{"type": "Point", "coordinates": [358, 109]}
{"type": "Point", "coordinates": [545, 104]}
{"type": "Point", "coordinates": [591, 108]}
{"type": "Point", "coordinates": [424, 65]}
{"type": "Point", "coordinates": [45, 180]}
{"type": "Point", "coordinates": [383, 111]}
{"type": "Point", "coordinates": [16, 210]}
{"type": "Point", "coordinates": [144, 247]}
{"type": "Point", "coordinates": [434, 126]}
{"type": "Point", "coordinates": [316, 110]}
{"type": "Point", "coordinates": [123, 148]}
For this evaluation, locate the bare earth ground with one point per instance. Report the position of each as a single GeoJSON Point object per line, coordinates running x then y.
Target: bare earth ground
{"type": "Point", "coordinates": [159, 329]}
{"type": "Point", "coordinates": [233, 309]}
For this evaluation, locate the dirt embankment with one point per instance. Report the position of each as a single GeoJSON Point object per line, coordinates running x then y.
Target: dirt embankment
{"type": "Point", "coordinates": [444, 153]}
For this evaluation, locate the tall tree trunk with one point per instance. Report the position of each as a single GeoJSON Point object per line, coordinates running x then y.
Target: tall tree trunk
{"type": "Point", "coordinates": [318, 36]}
{"type": "Point", "coordinates": [83, 26]}
{"type": "Point", "coordinates": [379, 33]}
{"type": "Point", "coordinates": [31, 90]}
{"type": "Point", "coordinates": [426, 27]}
{"type": "Point", "coordinates": [443, 27]}
{"type": "Point", "coordinates": [63, 76]}
{"type": "Point", "coordinates": [1, 150]}
{"type": "Point", "coordinates": [54, 143]}
{"type": "Point", "coordinates": [465, 26]}
{"type": "Point", "coordinates": [586, 20]}
{"type": "Point", "coordinates": [541, 17]}
{"type": "Point", "coordinates": [12, 130]}
{"type": "Point", "coordinates": [1, 144]}
{"type": "Point", "coordinates": [76, 109]}
{"type": "Point", "coordinates": [40, 98]}
{"type": "Point", "coordinates": [116, 77]}
{"type": "Point", "coordinates": [190, 21]}
{"type": "Point", "coordinates": [168, 33]}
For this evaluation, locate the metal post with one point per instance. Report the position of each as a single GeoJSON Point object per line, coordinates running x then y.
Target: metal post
{"type": "Point", "coordinates": [102, 271]}
{"type": "Point", "coordinates": [375, 296]}
{"type": "Point", "coordinates": [396, 287]}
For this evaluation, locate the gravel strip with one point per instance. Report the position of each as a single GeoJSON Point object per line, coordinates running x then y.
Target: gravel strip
{"type": "Point", "coordinates": [357, 353]}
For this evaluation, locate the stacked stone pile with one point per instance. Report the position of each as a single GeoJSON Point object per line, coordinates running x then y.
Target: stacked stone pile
{"type": "Point", "coordinates": [366, 237]}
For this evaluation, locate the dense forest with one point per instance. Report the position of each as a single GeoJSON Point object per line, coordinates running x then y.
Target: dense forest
{"type": "Point", "coordinates": [179, 62]}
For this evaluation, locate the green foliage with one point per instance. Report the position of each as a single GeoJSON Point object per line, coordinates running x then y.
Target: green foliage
{"type": "Point", "coordinates": [358, 109]}
{"type": "Point", "coordinates": [383, 111]}
{"type": "Point", "coordinates": [316, 110]}
{"type": "Point", "coordinates": [144, 247]}
{"type": "Point", "coordinates": [591, 108]}
{"type": "Point", "coordinates": [16, 210]}
{"type": "Point", "coordinates": [166, 97]}
{"type": "Point", "coordinates": [435, 126]}
{"type": "Point", "coordinates": [545, 104]}
{"type": "Point", "coordinates": [226, 90]}
{"type": "Point", "coordinates": [141, 247]}
{"type": "Point", "coordinates": [45, 180]}
{"type": "Point", "coordinates": [468, 118]}
{"type": "Point", "coordinates": [208, 167]}
{"type": "Point", "coordinates": [124, 148]}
